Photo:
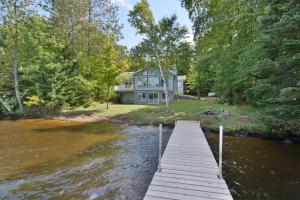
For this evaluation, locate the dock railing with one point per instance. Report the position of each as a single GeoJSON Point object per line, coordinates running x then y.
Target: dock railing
{"type": "Point", "coordinates": [220, 152]}
{"type": "Point", "coordinates": [159, 148]}
{"type": "Point", "coordinates": [220, 175]}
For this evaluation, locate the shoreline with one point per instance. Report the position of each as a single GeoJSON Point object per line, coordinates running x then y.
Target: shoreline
{"type": "Point", "coordinates": [93, 118]}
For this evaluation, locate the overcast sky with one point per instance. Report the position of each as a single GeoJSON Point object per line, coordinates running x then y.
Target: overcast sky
{"type": "Point", "coordinates": [160, 8]}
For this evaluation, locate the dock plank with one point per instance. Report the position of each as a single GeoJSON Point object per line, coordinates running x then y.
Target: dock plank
{"type": "Point", "coordinates": [189, 169]}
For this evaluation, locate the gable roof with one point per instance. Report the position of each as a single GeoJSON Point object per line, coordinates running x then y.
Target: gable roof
{"type": "Point", "coordinates": [144, 68]}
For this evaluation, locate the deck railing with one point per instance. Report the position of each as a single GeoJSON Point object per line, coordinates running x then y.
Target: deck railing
{"type": "Point", "coordinates": [123, 87]}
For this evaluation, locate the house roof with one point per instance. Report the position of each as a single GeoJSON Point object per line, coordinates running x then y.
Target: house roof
{"type": "Point", "coordinates": [170, 71]}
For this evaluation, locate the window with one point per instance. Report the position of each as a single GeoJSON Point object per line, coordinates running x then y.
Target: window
{"type": "Point", "coordinates": [161, 82]}
{"type": "Point", "coordinates": [128, 84]}
{"type": "Point", "coordinates": [142, 81]}
{"type": "Point", "coordinates": [153, 97]}
{"type": "Point", "coordinates": [141, 96]}
{"type": "Point", "coordinates": [152, 72]}
{"type": "Point", "coordinates": [153, 81]}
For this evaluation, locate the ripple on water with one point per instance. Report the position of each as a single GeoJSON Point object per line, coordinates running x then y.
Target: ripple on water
{"type": "Point", "coordinates": [78, 161]}
{"type": "Point", "coordinates": [256, 168]}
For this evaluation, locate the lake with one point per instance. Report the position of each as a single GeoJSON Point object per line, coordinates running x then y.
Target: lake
{"type": "Point", "coordinates": [256, 168]}
{"type": "Point", "coordinates": [52, 159]}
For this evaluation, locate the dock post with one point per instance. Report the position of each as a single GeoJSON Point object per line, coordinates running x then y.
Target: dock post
{"type": "Point", "coordinates": [220, 151]}
{"type": "Point", "coordinates": [159, 148]}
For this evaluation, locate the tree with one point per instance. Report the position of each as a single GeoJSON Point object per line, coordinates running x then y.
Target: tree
{"type": "Point", "coordinates": [183, 57]}
{"type": "Point", "coordinates": [160, 37]}
{"type": "Point", "coordinates": [69, 16]}
{"type": "Point", "coordinates": [201, 76]}
{"type": "Point", "coordinates": [49, 72]}
{"type": "Point", "coordinates": [139, 57]}
{"type": "Point", "coordinates": [45, 56]}
{"type": "Point", "coordinates": [112, 67]}
{"type": "Point", "coordinates": [277, 69]}
{"type": "Point", "coordinates": [102, 16]}
{"type": "Point", "coordinates": [96, 28]}
{"type": "Point", "coordinates": [13, 14]}
{"type": "Point", "coordinates": [247, 52]}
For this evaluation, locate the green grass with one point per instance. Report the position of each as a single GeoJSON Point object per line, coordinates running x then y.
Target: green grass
{"type": "Point", "coordinates": [113, 109]}
{"type": "Point", "coordinates": [244, 118]}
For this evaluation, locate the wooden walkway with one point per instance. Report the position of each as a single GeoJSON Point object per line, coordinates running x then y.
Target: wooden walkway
{"type": "Point", "coordinates": [188, 168]}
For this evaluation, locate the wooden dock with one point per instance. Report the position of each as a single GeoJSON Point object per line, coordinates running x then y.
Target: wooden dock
{"type": "Point", "coordinates": [189, 170]}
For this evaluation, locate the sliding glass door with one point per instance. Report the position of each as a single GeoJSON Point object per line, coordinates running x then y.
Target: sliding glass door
{"type": "Point", "coordinates": [153, 98]}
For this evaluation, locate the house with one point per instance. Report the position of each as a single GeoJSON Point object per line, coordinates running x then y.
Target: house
{"type": "Point", "coordinates": [145, 86]}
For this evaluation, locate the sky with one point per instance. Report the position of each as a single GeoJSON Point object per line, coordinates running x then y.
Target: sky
{"type": "Point", "coordinates": [160, 9]}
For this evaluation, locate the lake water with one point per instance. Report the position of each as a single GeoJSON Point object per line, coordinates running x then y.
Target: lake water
{"type": "Point", "coordinates": [257, 168]}
{"type": "Point", "coordinates": [51, 159]}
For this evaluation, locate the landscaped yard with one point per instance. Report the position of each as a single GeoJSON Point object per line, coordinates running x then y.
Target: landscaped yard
{"type": "Point", "coordinates": [207, 110]}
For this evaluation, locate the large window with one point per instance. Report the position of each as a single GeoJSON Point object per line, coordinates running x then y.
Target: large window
{"type": "Point", "coordinates": [153, 97]}
{"type": "Point", "coordinates": [141, 96]}
{"type": "Point", "coordinates": [153, 72]}
{"type": "Point", "coordinates": [153, 81]}
{"type": "Point", "coordinates": [142, 81]}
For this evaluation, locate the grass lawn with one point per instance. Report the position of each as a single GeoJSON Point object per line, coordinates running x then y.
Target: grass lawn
{"type": "Point", "coordinates": [241, 118]}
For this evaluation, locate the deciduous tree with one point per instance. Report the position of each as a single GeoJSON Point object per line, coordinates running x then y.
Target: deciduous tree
{"type": "Point", "coordinates": [160, 37]}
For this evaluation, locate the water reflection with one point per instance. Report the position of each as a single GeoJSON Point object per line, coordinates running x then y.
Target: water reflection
{"type": "Point", "coordinates": [260, 169]}
{"type": "Point", "coordinates": [48, 159]}
{"type": "Point", "coordinates": [51, 159]}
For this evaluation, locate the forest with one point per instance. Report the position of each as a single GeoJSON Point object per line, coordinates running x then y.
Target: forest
{"type": "Point", "coordinates": [65, 53]}
{"type": "Point", "coordinates": [248, 52]}
{"type": "Point", "coordinates": [58, 53]}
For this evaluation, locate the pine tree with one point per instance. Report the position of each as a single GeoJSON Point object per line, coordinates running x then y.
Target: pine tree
{"type": "Point", "coordinates": [278, 71]}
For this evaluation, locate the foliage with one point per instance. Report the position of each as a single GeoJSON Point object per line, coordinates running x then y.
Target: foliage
{"type": "Point", "coordinates": [61, 53]}
{"type": "Point", "coordinates": [160, 38]}
{"type": "Point", "coordinates": [33, 100]}
{"type": "Point", "coordinates": [278, 68]}
{"type": "Point", "coordinates": [248, 53]}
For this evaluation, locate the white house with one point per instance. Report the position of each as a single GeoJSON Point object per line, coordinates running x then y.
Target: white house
{"type": "Point", "coordinates": [145, 86]}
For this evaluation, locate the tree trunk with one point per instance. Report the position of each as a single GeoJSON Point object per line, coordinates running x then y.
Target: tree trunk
{"type": "Point", "coordinates": [107, 97]}
{"type": "Point", "coordinates": [198, 92]}
{"type": "Point", "coordinates": [15, 64]}
{"type": "Point", "coordinates": [5, 105]}
{"type": "Point", "coordinates": [89, 27]}
{"type": "Point", "coordinates": [165, 83]}
{"type": "Point", "coordinates": [73, 24]}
